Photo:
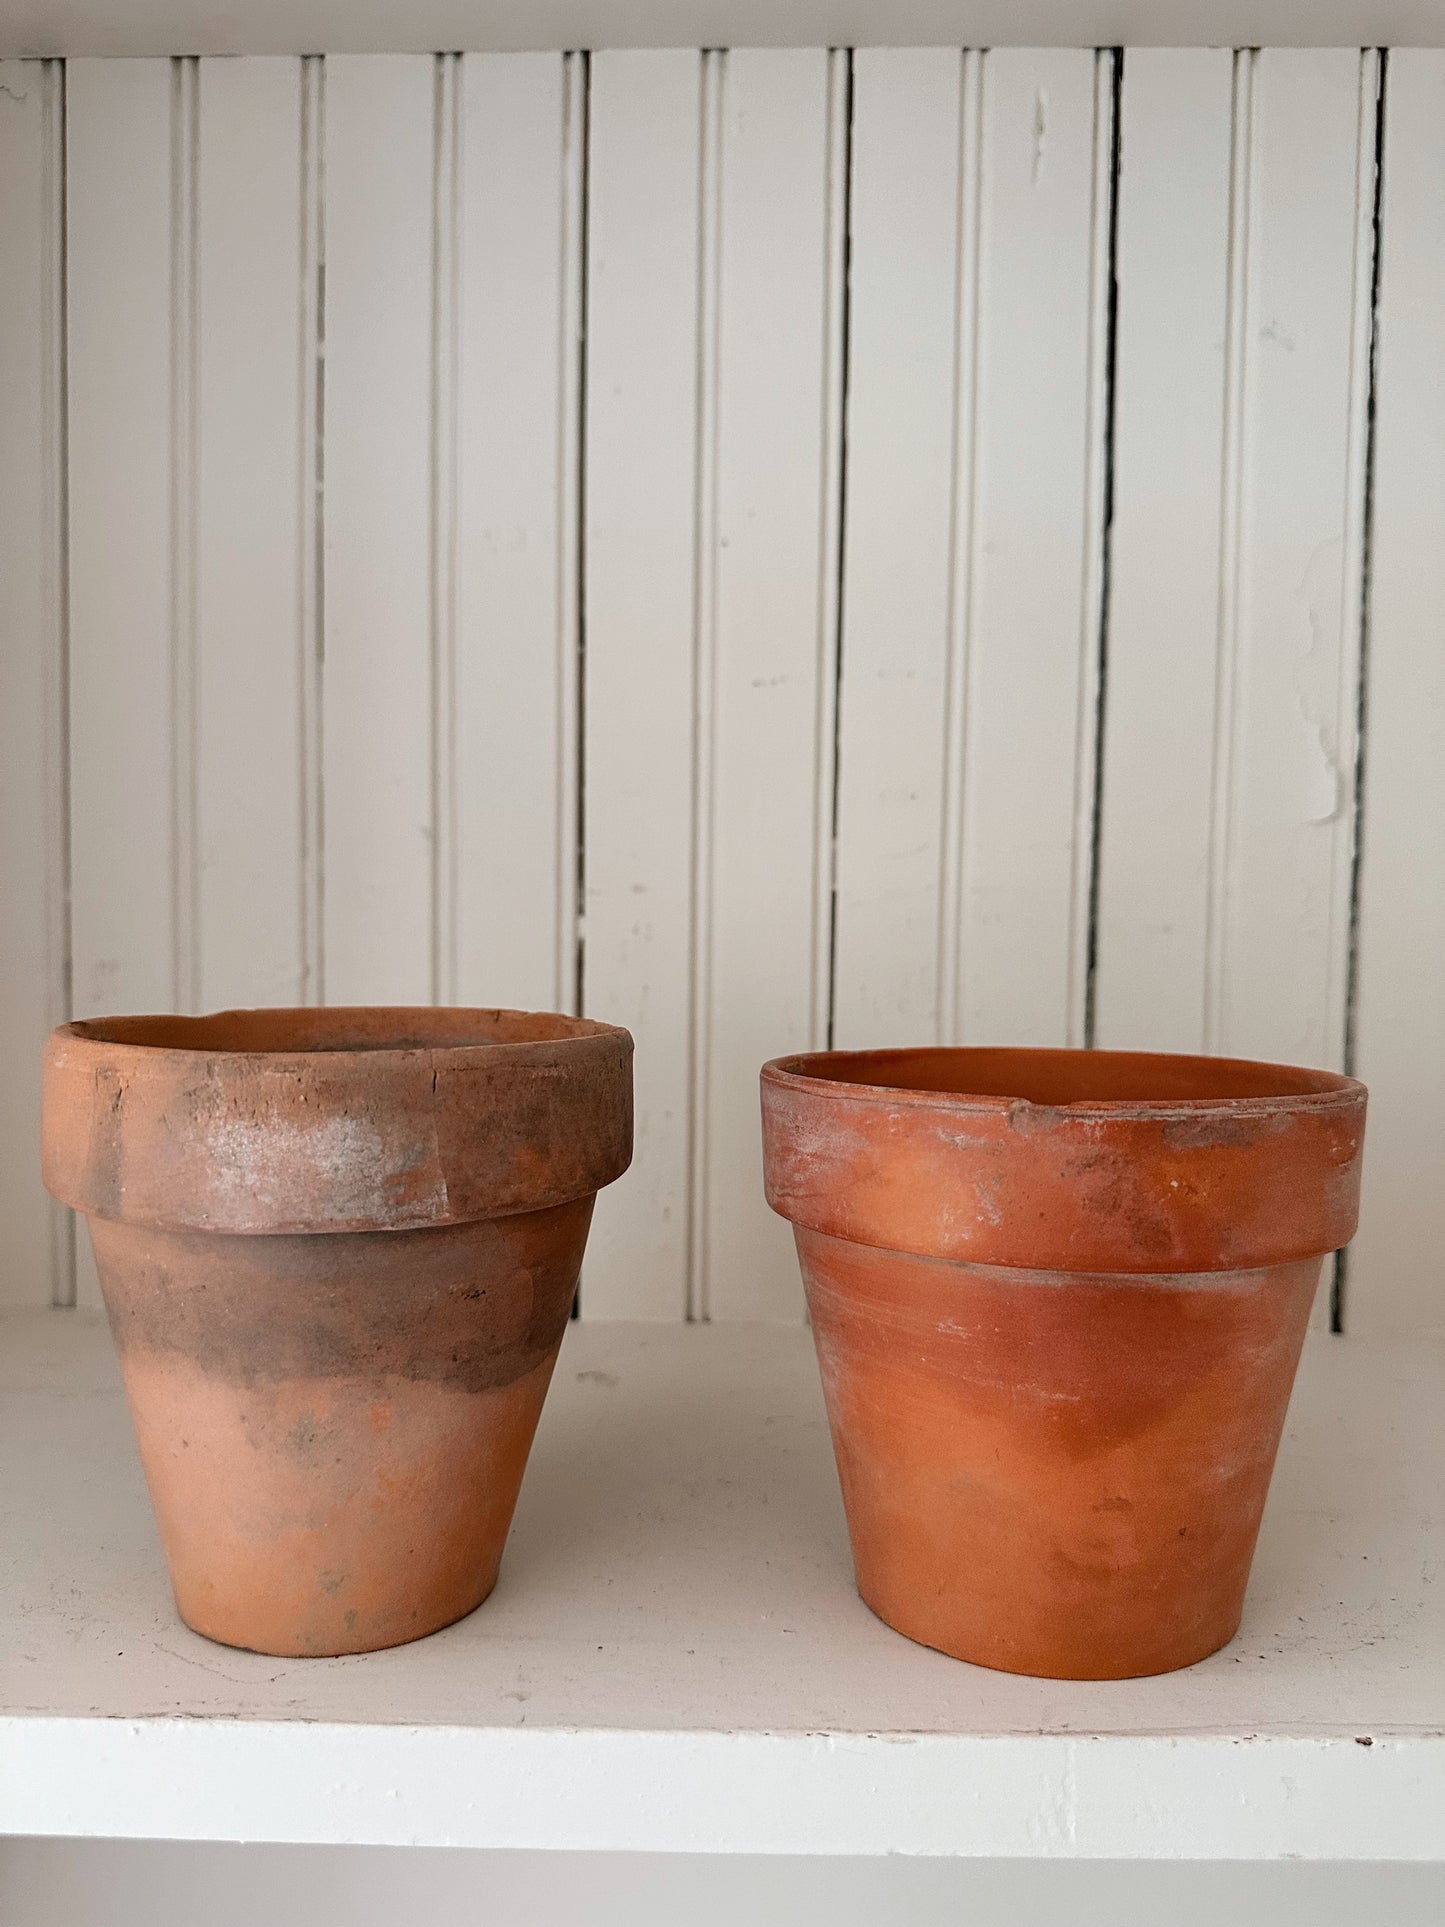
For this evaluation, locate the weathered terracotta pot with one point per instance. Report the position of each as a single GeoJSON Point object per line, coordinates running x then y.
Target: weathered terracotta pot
{"type": "Point", "coordinates": [338, 1249]}
{"type": "Point", "coordinates": [1059, 1298]}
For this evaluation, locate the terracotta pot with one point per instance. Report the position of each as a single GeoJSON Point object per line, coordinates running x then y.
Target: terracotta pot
{"type": "Point", "coordinates": [1059, 1298]}
{"type": "Point", "coordinates": [338, 1249]}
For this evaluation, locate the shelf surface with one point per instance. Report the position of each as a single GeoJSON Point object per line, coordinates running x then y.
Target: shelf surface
{"type": "Point", "coordinates": [383, 26]}
{"type": "Point", "coordinates": [675, 1657]}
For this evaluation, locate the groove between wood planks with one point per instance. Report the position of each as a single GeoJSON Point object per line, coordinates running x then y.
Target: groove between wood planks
{"type": "Point", "coordinates": [55, 494]}
{"type": "Point", "coordinates": [964, 484]}
{"type": "Point", "coordinates": [834, 564]}
{"type": "Point", "coordinates": [1371, 193]}
{"type": "Point", "coordinates": [571, 538]}
{"type": "Point", "coordinates": [446, 251]}
{"type": "Point", "coordinates": [712, 82]}
{"type": "Point", "coordinates": [185, 348]}
{"type": "Point", "coordinates": [1093, 696]}
{"type": "Point", "coordinates": [1231, 536]}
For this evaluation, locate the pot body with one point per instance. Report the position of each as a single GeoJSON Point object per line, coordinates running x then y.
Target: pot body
{"type": "Point", "coordinates": [335, 1387]}
{"type": "Point", "coordinates": [334, 1429]}
{"type": "Point", "coordinates": [1057, 1332]}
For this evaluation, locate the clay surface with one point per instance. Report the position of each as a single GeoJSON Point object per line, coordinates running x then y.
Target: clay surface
{"type": "Point", "coordinates": [338, 1251]}
{"type": "Point", "coordinates": [1059, 1299]}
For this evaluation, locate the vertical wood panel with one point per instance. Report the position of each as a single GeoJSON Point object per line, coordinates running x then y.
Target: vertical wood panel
{"type": "Point", "coordinates": [641, 463]}
{"type": "Point", "coordinates": [1030, 639]}
{"type": "Point", "coordinates": [516, 722]}
{"type": "Point", "coordinates": [1164, 608]}
{"type": "Point", "coordinates": [254, 536]}
{"type": "Point", "coordinates": [443, 534]}
{"type": "Point", "coordinates": [973, 545]}
{"type": "Point", "coordinates": [779, 306]}
{"type": "Point", "coordinates": [896, 579]}
{"type": "Point", "coordinates": [1284, 865]}
{"type": "Point", "coordinates": [121, 480]}
{"type": "Point", "coordinates": [1228, 822]}
{"type": "Point", "coordinates": [126, 475]}
{"type": "Point", "coordinates": [35, 1265]}
{"type": "Point", "coordinates": [311, 455]}
{"type": "Point", "coordinates": [377, 706]}
{"type": "Point", "coordinates": [1394, 1276]}
{"type": "Point", "coordinates": [570, 559]}
{"type": "Point", "coordinates": [1239, 494]}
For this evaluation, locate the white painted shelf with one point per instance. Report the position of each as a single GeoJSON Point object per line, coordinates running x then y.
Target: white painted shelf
{"type": "Point", "coordinates": [383, 26]}
{"type": "Point", "coordinates": [675, 1657]}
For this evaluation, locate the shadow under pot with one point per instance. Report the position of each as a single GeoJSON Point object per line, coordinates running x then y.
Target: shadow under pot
{"type": "Point", "coordinates": [338, 1250]}
{"type": "Point", "coordinates": [1059, 1298]}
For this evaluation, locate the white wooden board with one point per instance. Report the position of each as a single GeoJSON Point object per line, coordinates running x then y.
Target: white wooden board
{"type": "Point", "coordinates": [1171, 432]}
{"type": "Point", "coordinates": [129, 476]}
{"type": "Point", "coordinates": [254, 539]}
{"type": "Point", "coordinates": [463, 513]}
{"type": "Point", "coordinates": [640, 647]}
{"type": "Point", "coordinates": [907, 182]}
{"type": "Point", "coordinates": [515, 747]}
{"type": "Point", "coordinates": [378, 716]}
{"type": "Point", "coordinates": [769, 634]}
{"type": "Point", "coordinates": [123, 490]}
{"type": "Point", "coordinates": [35, 1264]}
{"type": "Point", "coordinates": [973, 545]}
{"type": "Point", "coordinates": [1282, 914]}
{"type": "Point", "coordinates": [1227, 832]}
{"type": "Point", "coordinates": [1239, 501]}
{"type": "Point", "coordinates": [1393, 1282]}
{"type": "Point", "coordinates": [675, 1658]}
{"type": "Point", "coordinates": [1029, 472]}
{"type": "Point", "coordinates": [132, 27]}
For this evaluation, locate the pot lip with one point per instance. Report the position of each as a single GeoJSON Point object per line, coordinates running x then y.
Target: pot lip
{"type": "Point", "coordinates": [1318, 1090]}
{"type": "Point", "coordinates": [171, 1041]}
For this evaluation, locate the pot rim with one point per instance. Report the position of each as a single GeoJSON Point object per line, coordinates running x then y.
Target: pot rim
{"type": "Point", "coordinates": [1316, 1090]}
{"type": "Point", "coordinates": [176, 1040]}
{"type": "Point", "coordinates": [315, 1119]}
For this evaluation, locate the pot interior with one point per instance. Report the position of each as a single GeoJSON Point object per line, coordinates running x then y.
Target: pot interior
{"type": "Point", "coordinates": [358, 1028]}
{"type": "Point", "coordinates": [1061, 1077]}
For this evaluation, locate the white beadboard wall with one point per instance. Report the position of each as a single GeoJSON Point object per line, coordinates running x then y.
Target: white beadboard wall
{"type": "Point", "coordinates": [766, 546]}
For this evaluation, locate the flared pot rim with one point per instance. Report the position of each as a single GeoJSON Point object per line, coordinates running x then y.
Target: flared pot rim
{"type": "Point", "coordinates": [333, 1118]}
{"type": "Point", "coordinates": [1050, 1081]}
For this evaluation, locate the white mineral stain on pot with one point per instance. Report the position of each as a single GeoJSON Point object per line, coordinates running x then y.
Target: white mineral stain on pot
{"type": "Point", "coordinates": [254, 1162]}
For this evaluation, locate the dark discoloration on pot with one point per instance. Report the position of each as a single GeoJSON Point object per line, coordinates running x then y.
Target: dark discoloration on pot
{"type": "Point", "coordinates": [1059, 1298]}
{"type": "Point", "coordinates": [338, 1250]}
{"type": "Point", "coordinates": [472, 1305]}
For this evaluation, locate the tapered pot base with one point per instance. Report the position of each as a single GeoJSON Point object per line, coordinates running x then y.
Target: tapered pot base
{"type": "Point", "coordinates": [1037, 1668]}
{"type": "Point", "coordinates": [333, 1429]}
{"type": "Point", "coordinates": [328, 1516]}
{"type": "Point", "coordinates": [1053, 1474]}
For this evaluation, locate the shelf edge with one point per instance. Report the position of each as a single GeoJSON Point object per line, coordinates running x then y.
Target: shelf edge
{"type": "Point", "coordinates": [153, 27]}
{"type": "Point", "coordinates": [1027, 1796]}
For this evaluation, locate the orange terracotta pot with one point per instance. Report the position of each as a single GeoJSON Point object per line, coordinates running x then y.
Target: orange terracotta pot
{"type": "Point", "coordinates": [338, 1249]}
{"type": "Point", "coordinates": [1059, 1298]}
